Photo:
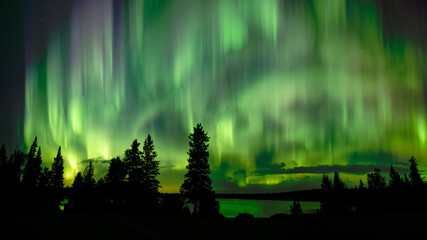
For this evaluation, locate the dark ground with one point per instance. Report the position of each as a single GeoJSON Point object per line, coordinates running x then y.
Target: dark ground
{"type": "Point", "coordinates": [37, 225]}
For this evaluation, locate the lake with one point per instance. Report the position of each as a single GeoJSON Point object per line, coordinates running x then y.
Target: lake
{"type": "Point", "coordinates": [261, 208]}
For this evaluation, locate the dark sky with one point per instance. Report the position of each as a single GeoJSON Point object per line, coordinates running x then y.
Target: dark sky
{"type": "Point", "coordinates": [12, 72]}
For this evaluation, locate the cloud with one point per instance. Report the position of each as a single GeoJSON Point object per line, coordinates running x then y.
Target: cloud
{"type": "Point", "coordinates": [353, 169]}
{"type": "Point", "coordinates": [95, 160]}
{"type": "Point", "coordinates": [375, 157]}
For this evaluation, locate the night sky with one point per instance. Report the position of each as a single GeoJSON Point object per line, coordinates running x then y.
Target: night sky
{"type": "Point", "coordinates": [287, 90]}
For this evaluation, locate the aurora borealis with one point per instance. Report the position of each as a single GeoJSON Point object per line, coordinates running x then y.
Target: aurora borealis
{"type": "Point", "coordinates": [287, 90]}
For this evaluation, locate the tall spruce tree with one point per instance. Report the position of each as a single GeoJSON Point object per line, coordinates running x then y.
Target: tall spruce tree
{"type": "Point", "coordinates": [133, 164]}
{"type": "Point", "coordinates": [395, 182]}
{"type": "Point", "coordinates": [116, 172]}
{"type": "Point", "coordinates": [32, 168]}
{"type": "Point", "coordinates": [89, 177]}
{"type": "Point", "coordinates": [78, 181]}
{"type": "Point", "coordinates": [197, 186]}
{"type": "Point", "coordinates": [338, 184]}
{"type": "Point", "coordinates": [414, 175]}
{"type": "Point", "coordinates": [326, 184]}
{"type": "Point", "coordinates": [58, 171]}
{"type": "Point", "coordinates": [326, 202]}
{"type": "Point", "coordinates": [150, 166]}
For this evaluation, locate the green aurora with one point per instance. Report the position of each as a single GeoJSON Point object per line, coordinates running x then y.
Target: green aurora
{"type": "Point", "coordinates": [286, 90]}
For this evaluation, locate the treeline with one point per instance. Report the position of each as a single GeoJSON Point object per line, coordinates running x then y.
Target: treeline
{"type": "Point", "coordinates": [130, 186]}
{"type": "Point", "coordinates": [400, 194]}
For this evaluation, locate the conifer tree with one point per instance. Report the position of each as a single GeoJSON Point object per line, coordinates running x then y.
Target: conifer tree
{"type": "Point", "coordinates": [32, 168]}
{"type": "Point", "coordinates": [58, 171]}
{"type": "Point", "coordinates": [338, 184]}
{"type": "Point", "coordinates": [78, 181]}
{"type": "Point", "coordinates": [89, 177]}
{"type": "Point", "coordinates": [197, 186]}
{"type": "Point", "coordinates": [326, 183]}
{"type": "Point", "coordinates": [375, 180]}
{"type": "Point", "coordinates": [45, 180]}
{"type": "Point", "coordinates": [116, 172]}
{"type": "Point", "coordinates": [406, 181]}
{"type": "Point", "coordinates": [133, 164]}
{"type": "Point", "coordinates": [150, 166]}
{"type": "Point", "coordinates": [395, 182]}
{"type": "Point", "coordinates": [414, 175]}
{"type": "Point", "coordinates": [296, 209]}
{"type": "Point", "coordinates": [14, 166]}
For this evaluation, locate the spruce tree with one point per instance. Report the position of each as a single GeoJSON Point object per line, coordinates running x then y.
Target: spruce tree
{"type": "Point", "coordinates": [326, 183]}
{"type": "Point", "coordinates": [32, 168]}
{"type": "Point", "coordinates": [197, 186]}
{"type": "Point", "coordinates": [395, 182]}
{"type": "Point", "coordinates": [58, 171]}
{"type": "Point", "coordinates": [414, 175]}
{"type": "Point", "coordinates": [133, 163]}
{"type": "Point", "coordinates": [338, 184]}
{"type": "Point", "coordinates": [89, 177]}
{"type": "Point", "coordinates": [116, 172]}
{"type": "Point", "coordinates": [78, 181]}
{"type": "Point", "coordinates": [15, 164]}
{"type": "Point", "coordinates": [326, 202]}
{"type": "Point", "coordinates": [150, 166]}
{"type": "Point", "coordinates": [376, 181]}
{"type": "Point", "coordinates": [406, 182]}
{"type": "Point", "coordinates": [296, 209]}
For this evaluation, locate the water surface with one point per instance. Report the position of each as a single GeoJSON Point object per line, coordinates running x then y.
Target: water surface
{"type": "Point", "coordinates": [261, 208]}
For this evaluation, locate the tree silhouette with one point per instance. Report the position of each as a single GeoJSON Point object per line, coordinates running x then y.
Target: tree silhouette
{"type": "Point", "coordinates": [89, 177]}
{"type": "Point", "coordinates": [338, 184]}
{"type": "Point", "coordinates": [326, 186]}
{"type": "Point", "coordinates": [414, 175]}
{"type": "Point", "coordinates": [78, 181]}
{"type": "Point", "coordinates": [150, 171]}
{"type": "Point", "coordinates": [116, 172]}
{"type": "Point", "coordinates": [45, 180]}
{"type": "Point", "coordinates": [395, 182]}
{"type": "Point", "coordinates": [375, 180]}
{"type": "Point", "coordinates": [58, 171]}
{"type": "Point", "coordinates": [32, 168]}
{"type": "Point", "coordinates": [326, 183]}
{"type": "Point", "coordinates": [3, 156]}
{"type": "Point", "coordinates": [150, 166]}
{"type": "Point", "coordinates": [14, 167]}
{"type": "Point", "coordinates": [296, 209]}
{"type": "Point", "coordinates": [197, 186]}
{"type": "Point", "coordinates": [406, 181]}
{"type": "Point", "coordinates": [133, 163]}
{"type": "Point", "coordinates": [361, 185]}
{"type": "Point", "coordinates": [3, 166]}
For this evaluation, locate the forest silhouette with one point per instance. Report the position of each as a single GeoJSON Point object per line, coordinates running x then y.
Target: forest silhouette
{"type": "Point", "coordinates": [131, 186]}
